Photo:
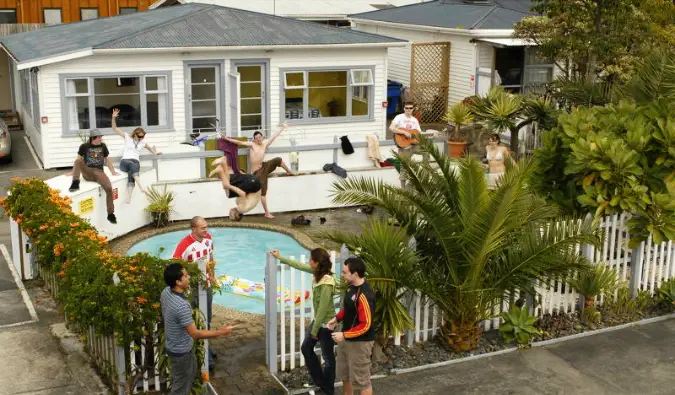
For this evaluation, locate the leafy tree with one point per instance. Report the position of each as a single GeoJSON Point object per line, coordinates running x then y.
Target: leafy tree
{"type": "Point", "coordinates": [599, 38]}
{"type": "Point", "coordinates": [474, 246]}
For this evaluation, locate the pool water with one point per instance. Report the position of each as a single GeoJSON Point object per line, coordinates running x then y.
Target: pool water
{"type": "Point", "coordinates": [239, 252]}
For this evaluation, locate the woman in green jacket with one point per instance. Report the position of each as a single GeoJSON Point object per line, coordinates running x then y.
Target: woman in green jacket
{"type": "Point", "coordinates": [323, 287]}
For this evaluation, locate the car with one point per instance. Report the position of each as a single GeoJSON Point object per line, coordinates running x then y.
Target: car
{"type": "Point", "coordinates": [5, 143]}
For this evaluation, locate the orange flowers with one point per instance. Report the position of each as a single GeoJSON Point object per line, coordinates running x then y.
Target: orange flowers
{"type": "Point", "coordinates": [44, 227]}
{"type": "Point", "coordinates": [61, 274]}
{"type": "Point", "coordinates": [74, 224]}
{"type": "Point", "coordinates": [205, 377]}
{"type": "Point", "coordinates": [141, 300]}
{"type": "Point", "coordinates": [58, 249]}
{"type": "Point", "coordinates": [156, 305]}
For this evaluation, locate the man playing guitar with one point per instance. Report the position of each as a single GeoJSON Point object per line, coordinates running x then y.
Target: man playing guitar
{"type": "Point", "coordinates": [405, 126]}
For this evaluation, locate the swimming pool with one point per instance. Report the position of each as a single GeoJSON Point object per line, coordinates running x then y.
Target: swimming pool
{"type": "Point", "coordinates": [239, 252]}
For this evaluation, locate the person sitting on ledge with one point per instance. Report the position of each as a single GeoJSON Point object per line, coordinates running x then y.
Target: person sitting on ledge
{"type": "Point", "coordinates": [244, 187]}
{"type": "Point", "coordinates": [90, 159]}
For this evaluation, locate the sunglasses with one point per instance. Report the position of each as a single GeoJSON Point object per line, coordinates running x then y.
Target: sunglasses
{"type": "Point", "coordinates": [407, 108]}
{"type": "Point", "coordinates": [140, 136]}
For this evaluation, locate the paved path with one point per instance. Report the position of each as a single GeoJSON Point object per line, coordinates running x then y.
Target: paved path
{"type": "Point", "coordinates": [638, 360]}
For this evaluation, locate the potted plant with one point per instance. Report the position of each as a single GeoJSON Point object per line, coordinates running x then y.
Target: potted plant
{"type": "Point", "coordinates": [458, 115]}
{"type": "Point", "coordinates": [160, 205]}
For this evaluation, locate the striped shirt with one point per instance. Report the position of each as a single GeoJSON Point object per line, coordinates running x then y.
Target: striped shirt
{"type": "Point", "coordinates": [177, 315]}
{"type": "Point", "coordinates": [195, 251]}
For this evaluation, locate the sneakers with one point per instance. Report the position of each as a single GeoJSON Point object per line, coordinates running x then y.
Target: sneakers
{"type": "Point", "coordinates": [74, 186]}
{"type": "Point", "coordinates": [112, 218]}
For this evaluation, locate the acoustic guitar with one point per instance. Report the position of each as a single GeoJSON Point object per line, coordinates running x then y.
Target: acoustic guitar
{"type": "Point", "coordinates": [405, 142]}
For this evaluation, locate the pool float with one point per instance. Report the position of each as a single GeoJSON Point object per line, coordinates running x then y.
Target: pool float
{"type": "Point", "coordinates": [250, 289]}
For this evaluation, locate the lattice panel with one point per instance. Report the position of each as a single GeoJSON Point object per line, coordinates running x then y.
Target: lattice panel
{"type": "Point", "coordinates": [430, 71]}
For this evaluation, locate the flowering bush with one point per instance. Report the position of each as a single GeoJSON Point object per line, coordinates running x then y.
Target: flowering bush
{"type": "Point", "coordinates": [116, 294]}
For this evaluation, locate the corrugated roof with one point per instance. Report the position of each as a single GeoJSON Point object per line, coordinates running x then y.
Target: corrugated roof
{"type": "Point", "coordinates": [190, 25]}
{"type": "Point", "coordinates": [463, 14]}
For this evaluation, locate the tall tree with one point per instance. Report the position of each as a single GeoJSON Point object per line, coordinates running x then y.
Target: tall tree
{"type": "Point", "coordinates": [599, 38]}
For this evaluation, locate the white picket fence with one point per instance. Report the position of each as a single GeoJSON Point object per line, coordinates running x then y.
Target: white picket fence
{"type": "Point", "coordinates": [642, 268]}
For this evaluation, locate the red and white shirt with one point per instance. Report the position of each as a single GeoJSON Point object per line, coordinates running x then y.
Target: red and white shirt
{"type": "Point", "coordinates": [192, 250]}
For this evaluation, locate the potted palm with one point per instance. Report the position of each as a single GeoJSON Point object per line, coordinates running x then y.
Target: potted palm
{"type": "Point", "coordinates": [458, 115]}
{"type": "Point", "coordinates": [161, 203]}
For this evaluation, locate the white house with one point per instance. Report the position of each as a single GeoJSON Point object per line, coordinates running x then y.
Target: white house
{"type": "Point", "coordinates": [457, 48]}
{"type": "Point", "coordinates": [334, 12]}
{"type": "Point", "coordinates": [193, 67]}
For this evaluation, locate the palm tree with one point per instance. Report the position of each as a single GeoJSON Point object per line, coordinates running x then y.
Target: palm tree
{"type": "Point", "coordinates": [384, 249]}
{"type": "Point", "coordinates": [501, 111]}
{"type": "Point", "coordinates": [474, 246]}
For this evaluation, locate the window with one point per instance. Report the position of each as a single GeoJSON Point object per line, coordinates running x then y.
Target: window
{"type": "Point", "coordinates": [143, 100]}
{"type": "Point", "coordinates": [52, 16]}
{"type": "Point", "coordinates": [30, 97]}
{"type": "Point", "coordinates": [8, 15]}
{"type": "Point", "coordinates": [538, 71]}
{"type": "Point", "coordinates": [25, 91]}
{"type": "Point", "coordinates": [88, 13]}
{"type": "Point", "coordinates": [328, 93]}
{"type": "Point", "coordinates": [128, 10]}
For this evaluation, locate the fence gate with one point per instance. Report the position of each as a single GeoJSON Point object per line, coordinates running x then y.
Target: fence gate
{"type": "Point", "coordinates": [429, 79]}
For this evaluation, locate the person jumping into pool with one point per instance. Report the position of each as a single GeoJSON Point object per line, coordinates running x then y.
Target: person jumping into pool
{"type": "Point", "coordinates": [259, 167]}
{"type": "Point", "coordinates": [244, 187]}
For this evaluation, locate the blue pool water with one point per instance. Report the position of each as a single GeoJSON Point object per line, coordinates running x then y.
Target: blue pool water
{"type": "Point", "coordinates": [239, 252]}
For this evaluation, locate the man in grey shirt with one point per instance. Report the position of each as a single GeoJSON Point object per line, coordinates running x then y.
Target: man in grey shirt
{"type": "Point", "coordinates": [180, 330]}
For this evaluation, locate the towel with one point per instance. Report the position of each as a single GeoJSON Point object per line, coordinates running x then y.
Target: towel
{"type": "Point", "coordinates": [373, 148]}
{"type": "Point", "coordinates": [230, 151]}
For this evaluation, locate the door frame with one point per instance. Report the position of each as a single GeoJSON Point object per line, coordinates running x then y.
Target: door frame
{"type": "Point", "coordinates": [220, 65]}
{"type": "Point", "coordinates": [267, 116]}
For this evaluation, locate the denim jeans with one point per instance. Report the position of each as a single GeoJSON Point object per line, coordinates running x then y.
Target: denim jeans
{"type": "Point", "coordinates": [183, 373]}
{"type": "Point", "coordinates": [132, 167]}
{"type": "Point", "coordinates": [324, 379]}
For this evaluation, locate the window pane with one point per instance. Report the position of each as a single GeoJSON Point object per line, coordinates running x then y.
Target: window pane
{"type": "Point", "coordinates": [204, 124]}
{"type": "Point", "coordinates": [78, 113]}
{"type": "Point", "coordinates": [294, 103]}
{"type": "Point", "coordinates": [250, 89]}
{"type": "Point", "coordinates": [88, 13]}
{"type": "Point", "coordinates": [362, 77]}
{"type": "Point", "coordinates": [251, 106]}
{"type": "Point", "coordinates": [116, 86]}
{"type": "Point", "coordinates": [200, 92]}
{"type": "Point", "coordinates": [203, 74]}
{"type": "Point", "coordinates": [360, 97]}
{"type": "Point", "coordinates": [156, 105]}
{"type": "Point", "coordinates": [295, 79]}
{"type": "Point", "coordinates": [127, 10]}
{"type": "Point", "coordinates": [531, 57]}
{"type": "Point", "coordinates": [128, 104]}
{"type": "Point", "coordinates": [249, 73]}
{"type": "Point", "coordinates": [155, 83]}
{"type": "Point", "coordinates": [52, 16]}
{"type": "Point", "coordinates": [538, 75]}
{"type": "Point", "coordinates": [251, 122]}
{"type": "Point", "coordinates": [327, 102]}
{"type": "Point", "coordinates": [327, 78]}
{"type": "Point", "coordinates": [77, 86]}
{"type": "Point", "coordinates": [7, 16]}
{"type": "Point", "coordinates": [204, 108]}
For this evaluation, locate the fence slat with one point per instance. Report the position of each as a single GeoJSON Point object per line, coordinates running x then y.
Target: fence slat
{"type": "Point", "coordinates": [282, 309]}
{"type": "Point", "coordinates": [291, 316]}
{"type": "Point", "coordinates": [302, 307]}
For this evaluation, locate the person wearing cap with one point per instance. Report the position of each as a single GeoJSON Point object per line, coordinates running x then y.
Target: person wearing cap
{"type": "Point", "coordinates": [91, 157]}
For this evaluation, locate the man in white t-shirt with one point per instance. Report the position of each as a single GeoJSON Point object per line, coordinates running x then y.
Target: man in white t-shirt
{"type": "Point", "coordinates": [131, 155]}
{"type": "Point", "coordinates": [404, 124]}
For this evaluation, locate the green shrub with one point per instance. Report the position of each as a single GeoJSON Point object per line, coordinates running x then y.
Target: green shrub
{"type": "Point", "coordinates": [518, 326]}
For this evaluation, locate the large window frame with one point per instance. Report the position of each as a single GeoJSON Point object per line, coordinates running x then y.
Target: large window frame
{"type": "Point", "coordinates": [10, 11]}
{"type": "Point", "coordinates": [356, 90]}
{"type": "Point", "coordinates": [44, 15]}
{"type": "Point", "coordinates": [144, 91]}
{"type": "Point", "coordinates": [127, 10]}
{"type": "Point", "coordinates": [30, 94]}
{"type": "Point", "coordinates": [89, 9]}
{"type": "Point", "coordinates": [533, 64]}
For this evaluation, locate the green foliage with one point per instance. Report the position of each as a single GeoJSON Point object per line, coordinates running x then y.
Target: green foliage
{"type": "Point", "coordinates": [620, 158]}
{"type": "Point", "coordinates": [383, 248]}
{"type": "Point", "coordinates": [160, 201]}
{"type": "Point", "coordinates": [473, 245]}
{"type": "Point", "coordinates": [458, 115]}
{"type": "Point", "coordinates": [598, 280]}
{"type": "Point", "coordinates": [666, 294]}
{"type": "Point", "coordinates": [518, 326]}
{"type": "Point", "coordinates": [113, 293]}
{"type": "Point", "coordinates": [624, 308]}
{"type": "Point", "coordinates": [599, 39]}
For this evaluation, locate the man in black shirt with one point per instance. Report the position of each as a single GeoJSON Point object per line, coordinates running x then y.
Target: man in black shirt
{"type": "Point", "coordinates": [90, 160]}
{"type": "Point", "coordinates": [355, 342]}
{"type": "Point", "coordinates": [244, 187]}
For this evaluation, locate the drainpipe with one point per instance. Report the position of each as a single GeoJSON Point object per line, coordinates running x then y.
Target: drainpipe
{"type": "Point", "coordinates": [21, 5]}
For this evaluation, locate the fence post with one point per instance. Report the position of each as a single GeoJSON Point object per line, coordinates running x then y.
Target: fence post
{"type": "Point", "coordinates": [271, 331]}
{"type": "Point", "coordinates": [120, 367]}
{"type": "Point", "coordinates": [410, 334]}
{"type": "Point", "coordinates": [636, 263]}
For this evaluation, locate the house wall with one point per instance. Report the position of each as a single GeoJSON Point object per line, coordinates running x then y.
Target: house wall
{"type": "Point", "coordinates": [62, 148]}
{"type": "Point", "coordinates": [32, 11]}
{"type": "Point", "coordinates": [462, 57]}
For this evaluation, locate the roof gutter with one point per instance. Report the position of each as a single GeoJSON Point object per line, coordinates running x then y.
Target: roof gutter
{"type": "Point", "coordinates": [54, 59]}
{"type": "Point", "coordinates": [433, 29]}
{"type": "Point", "coordinates": [244, 48]}
{"type": "Point", "coordinates": [8, 53]}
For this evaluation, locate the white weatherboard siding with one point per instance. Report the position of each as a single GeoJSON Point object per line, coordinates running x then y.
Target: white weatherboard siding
{"type": "Point", "coordinates": [462, 57]}
{"type": "Point", "coordinates": [62, 149]}
{"type": "Point", "coordinates": [486, 55]}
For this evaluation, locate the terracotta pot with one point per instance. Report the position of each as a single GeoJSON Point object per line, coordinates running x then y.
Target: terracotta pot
{"type": "Point", "coordinates": [456, 148]}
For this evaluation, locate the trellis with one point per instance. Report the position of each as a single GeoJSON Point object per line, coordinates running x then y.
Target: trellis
{"type": "Point", "coordinates": [429, 79]}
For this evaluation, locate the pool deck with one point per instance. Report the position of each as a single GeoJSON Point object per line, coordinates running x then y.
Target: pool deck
{"type": "Point", "coordinates": [240, 368]}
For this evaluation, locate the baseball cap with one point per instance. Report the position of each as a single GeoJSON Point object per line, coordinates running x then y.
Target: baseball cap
{"type": "Point", "coordinates": [95, 133]}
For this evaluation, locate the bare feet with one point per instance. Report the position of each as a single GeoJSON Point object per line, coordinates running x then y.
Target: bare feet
{"type": "Point", "coordinates": [269, 215]}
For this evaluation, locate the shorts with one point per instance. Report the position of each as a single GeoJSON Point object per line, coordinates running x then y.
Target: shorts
{"type": "Point", "coordinates": [132, 167]}
{"type": "Point", "coordinates": [353, 363]}
{"type": "Point", "coordinates": [265, 170]}
{"type": "Point", "coordinates": [246, 182]}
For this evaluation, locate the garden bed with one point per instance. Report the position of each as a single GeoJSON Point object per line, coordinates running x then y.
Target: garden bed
{"type": "Point", "coordinates": [556, 326]}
